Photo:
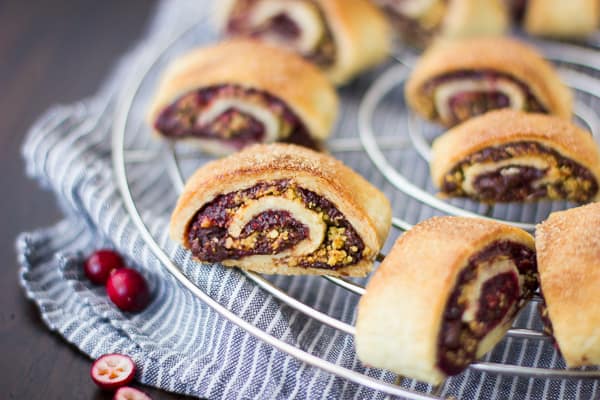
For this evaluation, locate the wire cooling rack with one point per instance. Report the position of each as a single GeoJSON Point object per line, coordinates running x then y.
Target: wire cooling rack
{"type": "Point", "coordinates": [398, 150]}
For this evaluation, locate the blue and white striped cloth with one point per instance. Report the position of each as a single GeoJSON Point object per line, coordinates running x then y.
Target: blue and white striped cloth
{"type": "Point", "coordinates": [178, 343]}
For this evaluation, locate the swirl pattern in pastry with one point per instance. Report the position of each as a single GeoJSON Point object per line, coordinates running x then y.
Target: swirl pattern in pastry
{"type": "Point", "coordinates": [234, 94]}
{"type": "Point", "coordinates": [342, 37]}
{"type": "Point", "coordinates": [444, 296]}
{"type": "Point", "coordinates": [457, 80]}
{"type": "Point", "coordinates": [507, 155]}
{"type": "Point", "coordinates": [282, 209]}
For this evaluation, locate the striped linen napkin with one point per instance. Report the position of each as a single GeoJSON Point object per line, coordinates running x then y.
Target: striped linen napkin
{"type": "Point", "coordinates": [178, 343]}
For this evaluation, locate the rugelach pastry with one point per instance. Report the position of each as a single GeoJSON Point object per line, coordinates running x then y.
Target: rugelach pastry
{"type": "Point", "coordinates": [342, 37]}
{"type": "Point", "coordinates": [234, 94]}
{"type": "Point", "coordinates": [561, 18]}
{"type": "Point", "coordinates": [444, 296]}
{"type": "Point", "coordinates": [457, 80]}
{"type": "Point", "coordinates": [508, 155]}
{"type": "Point", "coordinates": [282, 209]}
{"type": "Point", "coordinates": [568, 256]}
{"type": "Point", "coordinates": [420, 21]}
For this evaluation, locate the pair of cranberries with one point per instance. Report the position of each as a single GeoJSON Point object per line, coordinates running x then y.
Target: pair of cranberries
{"type": "Point", "coordinates": [125, 287]}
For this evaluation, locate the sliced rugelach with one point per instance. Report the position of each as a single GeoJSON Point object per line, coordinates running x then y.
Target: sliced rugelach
{"type": "Point", "coordinates": [457, 80]}
{"type": "Point", "coordinates": [507, 155]}
{"type": "Point", "coordinates": [237, 93]}
{"type": "Point", "coordinates": [560, 18]}
{"type": "Point", "coordinates": [444, 296]}
{"type": "Point", "coordinates": [568, 256]}
{"type": "Point", "coordinates": [342, 37]}
{"type": "Point", "coordinates": [282, 209]}
{"type": "Point", "coordinates": [418, 22]}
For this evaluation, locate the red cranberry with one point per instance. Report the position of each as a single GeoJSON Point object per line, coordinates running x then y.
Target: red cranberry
{"type": "Point", "coordinates": [129, 393]}
{"type": "Point", "coordinates": [101, 263]}
{"type": "Point", "coordinates": [112, 371]}
{"type": "Point", "coordinates": [128, 289]}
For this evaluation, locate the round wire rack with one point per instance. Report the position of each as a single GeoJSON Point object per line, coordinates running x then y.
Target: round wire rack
{"type": "Point", "coordinates": [397, 144]}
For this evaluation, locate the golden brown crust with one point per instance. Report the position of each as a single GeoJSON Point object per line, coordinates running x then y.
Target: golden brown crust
{"type": "Point", "coordinates": [502, 55]}
{"type": "Point", "coordinates": [560, 18]}
{"type": "Point", "coordinates": [468, 18]}
{"type": "Point", "coordinates": [400, 315]}
{"type": "Point", "coordinates": [252, 64]}
{"type": "Point", "coordinates": [362, 36]}
{"type": "Point", "coordinates": [568, 256]}
{"type": "Point", "coordinates": [501, 127]}
{"type": "Point", "coordinates": [363, 205]}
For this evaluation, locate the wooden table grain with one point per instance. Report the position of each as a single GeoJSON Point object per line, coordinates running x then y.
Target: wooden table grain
{"type": "Point", "coordinates": [50, 52]}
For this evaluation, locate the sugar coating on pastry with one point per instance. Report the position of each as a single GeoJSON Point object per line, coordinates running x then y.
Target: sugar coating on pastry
{"type": "Point", "coordinates": [282, 209]}
{"type": "Point", "coordinates": [455, 80]}
{"type": "Point", "coordinates": [508, 155]}
{"type": "Point", "coordinates": [342, 37]}
{"type": "Point", "coordinates": [444, 295]}
{"type": "Point", "coordinates": [240, 92]}
{"type": "Point", "coordinates": [568, 256]}
{"type": "Point", "coordinates": [559, 18]}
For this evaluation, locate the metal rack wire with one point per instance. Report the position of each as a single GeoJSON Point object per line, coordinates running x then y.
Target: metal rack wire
{"type": "Point", "coordinates": [375, 147]}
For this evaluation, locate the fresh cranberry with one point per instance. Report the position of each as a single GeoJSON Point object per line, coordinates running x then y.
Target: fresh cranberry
{"type": "Point", "coordinates": [128, 289]}
{"type": "Point", "coordinates": [129, 393]}
{"type": "Point", "coordinates": [111, 371]}
{"type": "Point", "coordinates": [101, 263]}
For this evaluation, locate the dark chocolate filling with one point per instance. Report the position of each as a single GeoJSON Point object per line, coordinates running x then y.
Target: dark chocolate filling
{"type": "Point", "coordinates": [283, 26]}
{"type": "Point", "coordinates": [237, 129]}
{"type": "Point", "coordinates": [518, 182]}
{"type": "Point", "coordinates": [208, 239]}
{"type": "Point", "coordinates": [458, 340]}
{"type": "Point", "coordinates": [469, 104]}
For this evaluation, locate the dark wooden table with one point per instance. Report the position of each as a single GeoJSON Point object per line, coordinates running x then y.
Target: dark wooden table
{"type": "Point", "coordinates": [50, 52]}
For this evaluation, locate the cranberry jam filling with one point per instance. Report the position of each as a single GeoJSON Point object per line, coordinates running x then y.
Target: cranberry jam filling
{"type": "Point", "coordinates": [519, 182]}
{"type": "Point", "coordinates": [466, 105]}
{"type": "Point", "coordinates": [499, 295]}
{"type": "Point", "coordinates": [238, 129]}
{"type": "Point", "coordinates": [469, 104]}
{"type": "Point", "coordinates": [284, 28]}
{"type": "Point", "coordinates": [510, 182]}
{"type": "Point", "coordinates": [273, 231]}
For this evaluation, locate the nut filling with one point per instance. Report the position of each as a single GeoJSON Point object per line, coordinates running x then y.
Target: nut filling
{"type": "Point", "coordinates": [273, 231]}
{"type": "Point", "coordinates": [560, 178]}
{"type": "Point", "coordinates": [461, 95]}
{"type": "Point", "coordinates": [496, 297]}
{"type": "Point", "coordinates": [234, 115]}
{"type": "Point", "coordinates": [297, 24]}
